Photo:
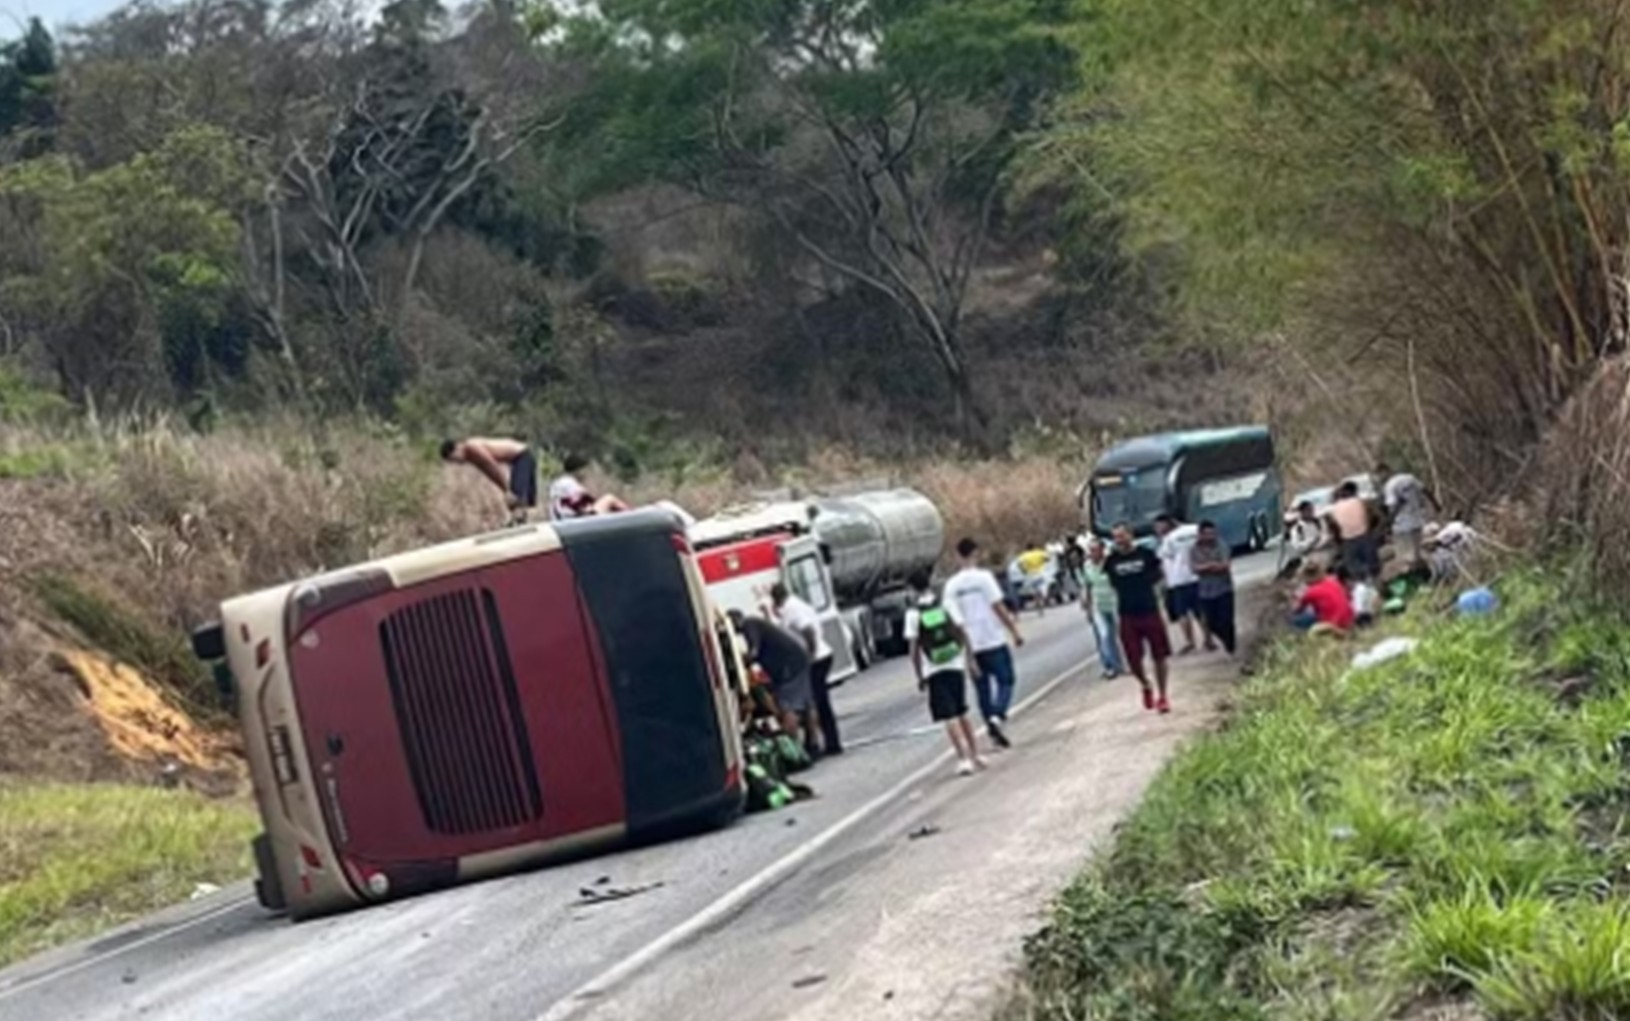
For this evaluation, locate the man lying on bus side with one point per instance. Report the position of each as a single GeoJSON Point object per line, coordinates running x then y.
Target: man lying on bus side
{"type": "Point", "coordinates": [569, 498]}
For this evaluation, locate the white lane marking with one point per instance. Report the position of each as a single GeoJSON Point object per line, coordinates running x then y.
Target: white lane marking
{"type": "Point", "coordinates": [585, 997]}
{"type": "Point", "coordinates": [165, 933]}
{"type": "Point", "coordinates": [895, 735]}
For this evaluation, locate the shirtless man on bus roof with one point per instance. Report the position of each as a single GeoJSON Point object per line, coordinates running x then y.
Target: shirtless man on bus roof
{"type": "Point", "coordinates": [509, 463]}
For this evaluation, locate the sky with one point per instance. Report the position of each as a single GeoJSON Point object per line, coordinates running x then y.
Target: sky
{"type": "Point", "coordinates": [14, 14]}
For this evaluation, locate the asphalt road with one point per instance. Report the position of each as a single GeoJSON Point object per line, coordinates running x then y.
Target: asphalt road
{"type": "Point", "coordinates": [527, 948]}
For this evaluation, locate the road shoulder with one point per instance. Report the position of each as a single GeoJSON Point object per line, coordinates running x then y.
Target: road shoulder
{"type": "Point", "coordinates": [924, 913]}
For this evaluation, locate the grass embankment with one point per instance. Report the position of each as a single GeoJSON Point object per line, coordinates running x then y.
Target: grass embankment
{"type": "Point", "coordinates": [1439, 837]}
{"type": "Point", "coordinates": [77, 859]}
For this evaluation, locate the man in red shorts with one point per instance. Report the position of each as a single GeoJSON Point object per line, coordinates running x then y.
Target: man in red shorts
{"type": "Point", "coordinates": [1135, 573]}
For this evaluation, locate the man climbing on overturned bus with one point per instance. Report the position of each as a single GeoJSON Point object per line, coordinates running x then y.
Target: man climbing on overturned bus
{"type": "Point", "coordinates": [509, 463]}
{"type": "Point", "coordinates": [512, 465]}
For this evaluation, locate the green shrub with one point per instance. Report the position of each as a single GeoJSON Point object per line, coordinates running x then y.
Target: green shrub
{"type": "Point", "coordinates": [1450, 798]}
{"type": "Point", "coordinates": [75, 859]}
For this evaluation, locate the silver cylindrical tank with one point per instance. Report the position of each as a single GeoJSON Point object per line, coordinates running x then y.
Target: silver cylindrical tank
{"type": "Point", "coordinates": [878, 539]}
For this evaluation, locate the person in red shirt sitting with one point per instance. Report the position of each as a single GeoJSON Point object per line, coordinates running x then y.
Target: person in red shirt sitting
{"type": "Point", "coordinates": [1324, 604]}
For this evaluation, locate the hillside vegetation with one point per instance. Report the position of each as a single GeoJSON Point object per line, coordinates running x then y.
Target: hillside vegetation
{"type": "Point", "coordinates": [257, 256]}
{"type": "Point", "coordinates": [782, 227]}
{"type": "Point", "coordinates": [1437, 837]}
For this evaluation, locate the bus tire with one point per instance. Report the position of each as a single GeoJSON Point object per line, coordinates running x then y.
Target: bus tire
{"type": "Point", "coordinates": [268, 887]}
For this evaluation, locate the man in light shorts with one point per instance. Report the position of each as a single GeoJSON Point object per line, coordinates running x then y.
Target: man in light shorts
{"type": "Point", "coordinates": [1182, 584]}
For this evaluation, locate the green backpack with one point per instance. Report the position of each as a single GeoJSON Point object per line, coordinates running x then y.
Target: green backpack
{"type": "Point", "coordinates": [937, 634]}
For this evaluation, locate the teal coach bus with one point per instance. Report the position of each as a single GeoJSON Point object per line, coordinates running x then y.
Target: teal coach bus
{"type": "Point", "coordinates": [1227, 476]}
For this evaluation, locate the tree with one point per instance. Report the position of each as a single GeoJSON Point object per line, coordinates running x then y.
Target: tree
{"type": "Point", "coordinates": [132, 267]}
{"type": "Point", "coordinates": [28, 69]}
{"type": "Point", "coordinates": [874, 134]}
{"type": "Point", "coordinates": [1438, 189]}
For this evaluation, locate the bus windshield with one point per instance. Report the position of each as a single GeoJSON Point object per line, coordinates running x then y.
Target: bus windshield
{"type": "Point", "coordinates": [1225, 476]}
{"type": "Point", "coordinates": [1135, 498]}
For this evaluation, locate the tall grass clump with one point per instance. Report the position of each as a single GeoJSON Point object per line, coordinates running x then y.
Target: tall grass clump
{"type": "Point", "coordinates": [1446, 826]}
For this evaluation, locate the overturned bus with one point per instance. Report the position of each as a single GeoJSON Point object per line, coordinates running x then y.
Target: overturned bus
{"type": "Point", "coordinates": [480, 707]}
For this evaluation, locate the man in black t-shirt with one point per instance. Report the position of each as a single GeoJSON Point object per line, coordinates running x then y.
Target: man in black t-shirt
{"type": "Point", "coordinates": [1135, 573]}
{"type": "Point", "coordinates": [785, 659]}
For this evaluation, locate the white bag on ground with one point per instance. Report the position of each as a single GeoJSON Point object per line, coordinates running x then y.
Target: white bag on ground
{"type": "Point", "coordinates": [1382, 652]}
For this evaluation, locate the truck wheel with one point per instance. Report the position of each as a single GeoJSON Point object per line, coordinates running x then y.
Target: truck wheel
{"type": "Point", "coordinates": [268, 887]}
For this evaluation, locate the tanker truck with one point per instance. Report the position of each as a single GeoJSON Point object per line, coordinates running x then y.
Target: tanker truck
{"type": "Point", "coordinates": [850, 557]}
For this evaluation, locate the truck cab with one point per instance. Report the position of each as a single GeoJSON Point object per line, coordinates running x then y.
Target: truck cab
{"type": "Point", "coordinates": [742, 554]}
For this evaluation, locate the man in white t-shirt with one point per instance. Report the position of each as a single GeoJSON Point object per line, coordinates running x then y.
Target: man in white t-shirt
{"type": "Point", "coordinates": [800, 618]}
{"type": "Point", "coordinates": [974, 600]}
{"type": "Point", "coordinates": [569, 498]}
{"type": "Point", "coordinates": [1182, 584]}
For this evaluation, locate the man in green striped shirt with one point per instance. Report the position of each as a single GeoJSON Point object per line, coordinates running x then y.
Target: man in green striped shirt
{"type": "Point", "coordinates": [1103, 608]}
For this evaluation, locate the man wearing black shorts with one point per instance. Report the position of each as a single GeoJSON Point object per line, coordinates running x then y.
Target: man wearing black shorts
{"type": "Point", "coordinates": [509, 464]}
{"type": "Point", "coordinates": [785, 660]}
{"type": "Point", "coordinates": [1135, 572]}
{"type": "Point", "coordinates": [939, 652]}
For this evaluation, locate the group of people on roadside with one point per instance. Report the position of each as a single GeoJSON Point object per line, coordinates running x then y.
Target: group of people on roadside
{"type": "Point", "coordinates": [1134, 595]}
{"type": "Point", "coordinates": [796, 659]}
{"type": "Point", "coordinates": [965, 633]}
{"type": "Point", "coordinates": [1337, 553]}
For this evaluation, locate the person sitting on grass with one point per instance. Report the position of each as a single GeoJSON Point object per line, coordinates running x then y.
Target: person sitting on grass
{"type": "Point", "coordinates": [1324, 606]}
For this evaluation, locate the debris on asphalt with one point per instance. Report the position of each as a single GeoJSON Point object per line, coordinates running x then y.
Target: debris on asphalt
{"type": "Point", "coordinates": [589, 895]}
{"type": "Point", "coordinates": [808, 980]}
{"type": "Point", "coordinates": [128, 978]}
{"type": "Point", "coordinates": [203, 890]}
{"type": "Point", "coordinates": [921, 832]}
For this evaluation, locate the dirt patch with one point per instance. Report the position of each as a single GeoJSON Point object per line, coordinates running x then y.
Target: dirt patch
{"type": "Point", "coordinates": [1442, 1009]}
{"type": "Point", "coordinates": [1570, 690]}
{"type": "Point", "coordinates": [141, 724]}
{"type": "Point", "coordinates": [1347, 931]}
{"type": "Point", "coordinates": [76, 716]}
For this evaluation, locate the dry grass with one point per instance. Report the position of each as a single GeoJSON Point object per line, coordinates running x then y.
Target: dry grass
{"type": "Point", "coordinates": [1580, 484]}
{"type": "Point", "coordinates": [122, 538]}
